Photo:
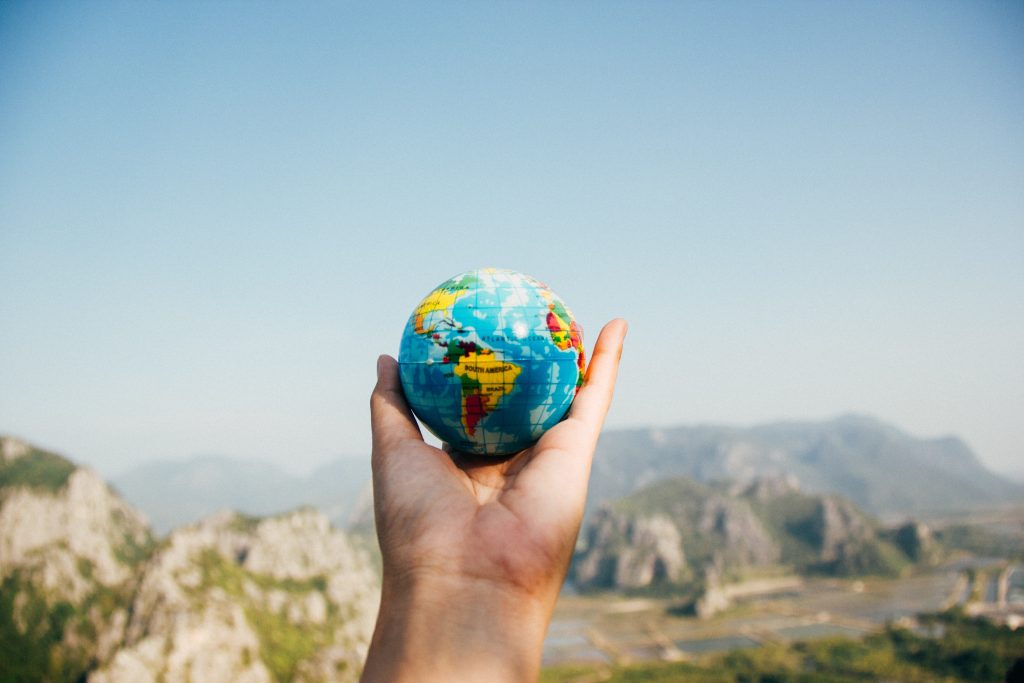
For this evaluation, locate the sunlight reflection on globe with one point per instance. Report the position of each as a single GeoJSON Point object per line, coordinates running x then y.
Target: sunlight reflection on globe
{"type": "Point", "coordinates": [490, 360]}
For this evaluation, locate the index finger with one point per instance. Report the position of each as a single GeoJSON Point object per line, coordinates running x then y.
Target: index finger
{"type": "Point", "coordinates": [595, 397]}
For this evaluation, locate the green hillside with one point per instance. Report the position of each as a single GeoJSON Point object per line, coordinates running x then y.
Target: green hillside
{"type": "Point", "coordinates": [680, 531]}
{"type": "Point", "coordinates": [37, 469]}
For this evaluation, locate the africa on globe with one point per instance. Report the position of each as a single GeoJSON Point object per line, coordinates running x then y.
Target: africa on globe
{"type": "Point", "coordinates": [490, 360]}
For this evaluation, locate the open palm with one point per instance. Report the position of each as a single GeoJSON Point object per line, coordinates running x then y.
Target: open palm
{"type": "Point", "coordinates": [512, 522]}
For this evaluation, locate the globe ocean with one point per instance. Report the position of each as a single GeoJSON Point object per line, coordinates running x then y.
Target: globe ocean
{"type": "Point", "coordinates": [490, 360]}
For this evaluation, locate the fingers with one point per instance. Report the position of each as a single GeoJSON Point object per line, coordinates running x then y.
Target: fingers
{"type": "Point", "coordinates": [595, 397]}
{"type": "Point", "coordinates": [555, 478]}
{"type": "Point", "coordinates": [390, 418]}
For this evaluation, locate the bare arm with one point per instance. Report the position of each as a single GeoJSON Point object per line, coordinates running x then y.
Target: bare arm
{"type": "Point", "coordinates": [475, 551]}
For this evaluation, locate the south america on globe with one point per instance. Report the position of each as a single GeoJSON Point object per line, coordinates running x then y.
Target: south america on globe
{"type": "Point", "coordinates": [490, 360]}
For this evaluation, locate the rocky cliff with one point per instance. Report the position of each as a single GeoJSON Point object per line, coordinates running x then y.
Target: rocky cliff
{"type": "Point", "coordinates": [87, 594]}
{"type": "Point", "coordinates": [235, 598]}
{"type": "Point", "coordinates": [69, 554]}
{"type": "Point", "coordinates": [682, 534]}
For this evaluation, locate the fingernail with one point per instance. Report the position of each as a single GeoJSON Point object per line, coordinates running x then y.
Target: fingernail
{"type": "Point", "coordinates": [380, 367]}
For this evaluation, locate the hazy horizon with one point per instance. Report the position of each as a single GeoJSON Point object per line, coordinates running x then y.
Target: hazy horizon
{"type": "Point", "coordinates": [213, 217]}
{"type": "Point", "coordinates": [306, 466]}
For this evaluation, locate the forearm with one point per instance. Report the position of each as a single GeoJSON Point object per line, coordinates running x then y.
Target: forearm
{"type": "Point", "coordinates": [456, 629]}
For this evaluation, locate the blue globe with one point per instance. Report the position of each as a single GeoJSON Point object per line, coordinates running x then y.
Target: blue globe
{"type": "Point", "coordinates": [490, 360]}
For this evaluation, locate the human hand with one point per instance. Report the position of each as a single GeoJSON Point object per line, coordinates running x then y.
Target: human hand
{"type": "Point", "coordinates": [476, 549]}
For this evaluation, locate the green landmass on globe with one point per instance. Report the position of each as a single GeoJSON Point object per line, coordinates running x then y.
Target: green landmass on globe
{"type": "Point", "coordinates": [490, 360]}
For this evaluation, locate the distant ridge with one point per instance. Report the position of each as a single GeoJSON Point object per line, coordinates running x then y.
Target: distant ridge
{"type": "Point", "coordinates": [881, 468]}
{"type": "Point", "coordinates": [177, 492]}
{"type": "Point", "coordinates": [878, 466]}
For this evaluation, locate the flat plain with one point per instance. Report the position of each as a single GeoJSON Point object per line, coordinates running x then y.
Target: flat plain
{"type": "Point", "coordinates": [610, 629]}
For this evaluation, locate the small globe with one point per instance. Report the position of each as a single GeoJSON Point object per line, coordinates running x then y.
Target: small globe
{"type": "Point", "coordinates": [490, 360]}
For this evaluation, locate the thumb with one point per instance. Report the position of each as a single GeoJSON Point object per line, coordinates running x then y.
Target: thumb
{"type": "Point", "coordinates": [390, 418]}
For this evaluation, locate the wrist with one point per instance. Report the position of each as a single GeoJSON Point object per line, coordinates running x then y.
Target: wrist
{"type": "Point", "coordinates": [456, 628]}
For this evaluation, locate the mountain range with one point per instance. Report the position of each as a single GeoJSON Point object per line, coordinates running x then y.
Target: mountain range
{"type": "Point", "coordinates": [879, 467]}
{"type": "Point", "coordinates": [172, 493]}
{"type": "Point", "coordinates": [876, 465]}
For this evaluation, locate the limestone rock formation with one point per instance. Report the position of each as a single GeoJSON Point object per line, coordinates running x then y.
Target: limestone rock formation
{"type": "Point", "coordinates": [916, 541]}
{"type": "Point", "coordinates": [88, 595]}
{"type": "Point", "coordinates": [713, 597]}
{"type": "Point", "coordinates": [69, 552]}
{"type": "Point", "coordinates": [838, 527]}
{"type": "Point", "coordinates": [727, 531]}
{"type": "Point", "coordinates": [632, 552]}
{"type": "Point", "coordinates": [767, 486]}
{"type": "Point", "coordinates": [740, 535]}
{"type": "Point", "coordinates": [243, 599]}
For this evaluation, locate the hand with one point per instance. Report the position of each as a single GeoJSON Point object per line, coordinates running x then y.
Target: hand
{"type": "Point", "coordinates": [476, 549]}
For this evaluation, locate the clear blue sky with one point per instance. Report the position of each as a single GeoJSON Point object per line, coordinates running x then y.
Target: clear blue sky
{"type": "Point", "coordinates": [213, 216]}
